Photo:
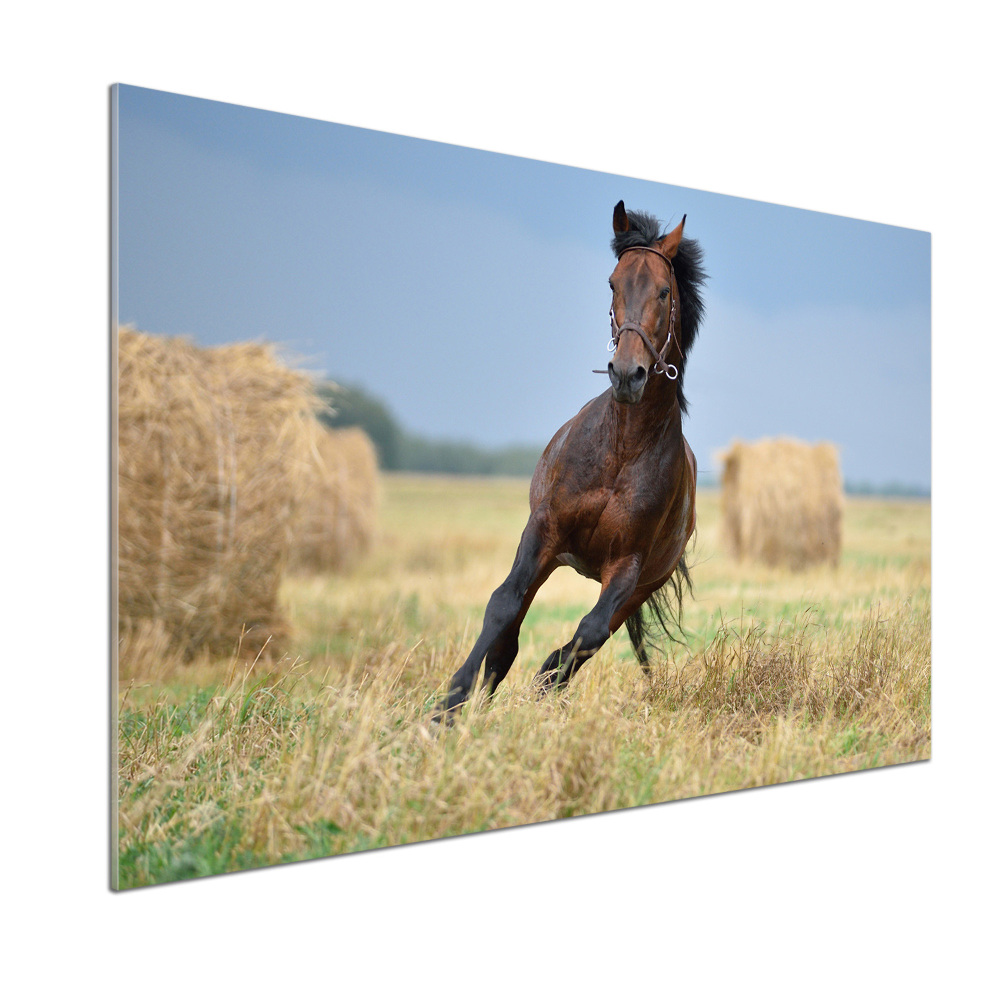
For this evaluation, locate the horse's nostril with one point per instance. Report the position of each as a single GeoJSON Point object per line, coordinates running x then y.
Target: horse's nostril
{"type": "Point", "coordinates": [639, 374]}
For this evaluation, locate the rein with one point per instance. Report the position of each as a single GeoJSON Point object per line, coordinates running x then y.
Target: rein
{"type": "Point", "coordinates": [660, 363]}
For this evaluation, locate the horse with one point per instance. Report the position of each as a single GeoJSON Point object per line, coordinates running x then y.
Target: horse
{"type": "Point", "coordinates": [613, 494]}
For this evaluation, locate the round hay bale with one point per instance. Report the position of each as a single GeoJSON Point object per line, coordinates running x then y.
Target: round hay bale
{"type": "Point", "coordinates": [213, 451]}
{"type": "Point", "coordinates": [782, 503]}
{"type": "Point", "coordinates": [335, 524]}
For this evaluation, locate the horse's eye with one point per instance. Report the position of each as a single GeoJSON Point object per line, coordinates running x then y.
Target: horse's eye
{"type": "Point", "coordinates": [664, 293]}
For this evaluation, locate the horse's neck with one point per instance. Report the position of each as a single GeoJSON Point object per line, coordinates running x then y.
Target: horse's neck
{"type": "Point", "coordinates": [654, 423]}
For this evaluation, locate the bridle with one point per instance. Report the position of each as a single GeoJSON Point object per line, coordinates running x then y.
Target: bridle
{"type": "Point", "coordinates": [660, 363]}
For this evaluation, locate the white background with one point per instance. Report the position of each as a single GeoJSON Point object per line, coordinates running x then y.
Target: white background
{"type": "Point", "coordinates": [882, 883]}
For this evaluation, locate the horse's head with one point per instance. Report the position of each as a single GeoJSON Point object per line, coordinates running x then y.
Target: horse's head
{"type": "Point", "coordinates": [644, 310]}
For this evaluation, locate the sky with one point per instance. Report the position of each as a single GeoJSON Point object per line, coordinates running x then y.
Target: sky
{"type": "Point", "coordinates": [468, 289]}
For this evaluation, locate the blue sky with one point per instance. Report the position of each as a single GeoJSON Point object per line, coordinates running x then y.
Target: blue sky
{"type": "Point", "coordinates": [468, 289]}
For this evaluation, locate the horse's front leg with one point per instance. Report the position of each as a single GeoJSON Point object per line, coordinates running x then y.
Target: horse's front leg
{"type": "Point", "coordinates": [618, 583]}
{"type": "Point", "coordinates": [504, 613]}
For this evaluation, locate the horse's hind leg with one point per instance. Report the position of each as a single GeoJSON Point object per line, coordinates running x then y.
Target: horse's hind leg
{"type": "Point", "coordinates": [595, 628]}
{"type": "Point", "coordinates": [636, 634]}
{"type": "Point", "coordinates": [504, 613]}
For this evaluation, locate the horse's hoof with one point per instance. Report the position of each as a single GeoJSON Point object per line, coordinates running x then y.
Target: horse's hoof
{"type": "Point", "coordinates": [444, 717]}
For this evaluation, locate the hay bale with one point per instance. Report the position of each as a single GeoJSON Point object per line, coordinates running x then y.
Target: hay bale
{"type": "Point", "coordinates": [335, 524]}
{"type": "Point", "coordinates": [213, 451]}
{"type": "Point", "coordinates": [782, 502]}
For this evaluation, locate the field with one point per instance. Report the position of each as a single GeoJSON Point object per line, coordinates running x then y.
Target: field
{"type": "Point", "coordinates": [234, 764]}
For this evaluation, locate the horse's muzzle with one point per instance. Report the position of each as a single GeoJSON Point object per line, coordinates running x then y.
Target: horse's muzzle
{"type": "Point", "coordinates": [627, 386]}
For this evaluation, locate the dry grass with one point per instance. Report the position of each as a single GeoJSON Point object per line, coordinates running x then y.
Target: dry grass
{"type": "Point", "coordinates": [786, 676]}
{"type": "Point", "coordinates": [782, 502]}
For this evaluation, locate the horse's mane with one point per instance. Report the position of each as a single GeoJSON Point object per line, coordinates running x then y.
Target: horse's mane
{"type": "Point", "coordinates": [643, 231]}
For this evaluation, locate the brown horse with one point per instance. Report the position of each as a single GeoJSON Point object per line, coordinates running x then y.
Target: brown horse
{"type": "Point", "coordinates": [613, 493]}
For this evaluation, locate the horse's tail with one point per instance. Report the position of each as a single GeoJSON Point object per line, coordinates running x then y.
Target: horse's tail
{"type": "Point", "coordinates": [664, 606]}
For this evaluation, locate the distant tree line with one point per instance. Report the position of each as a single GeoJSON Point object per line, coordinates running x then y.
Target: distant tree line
{"type": "Point", "coordinates": [891, 489]}
{"type": "Point", "coordinates": [398, 450]}
{"type": "Point", "coordinates": [349, 406]}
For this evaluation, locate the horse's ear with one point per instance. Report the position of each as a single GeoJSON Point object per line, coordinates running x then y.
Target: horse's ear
{"type": "Point", "coordinates": [669, 244]}
{"type": "Point", "coordinates": [620, 221]}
